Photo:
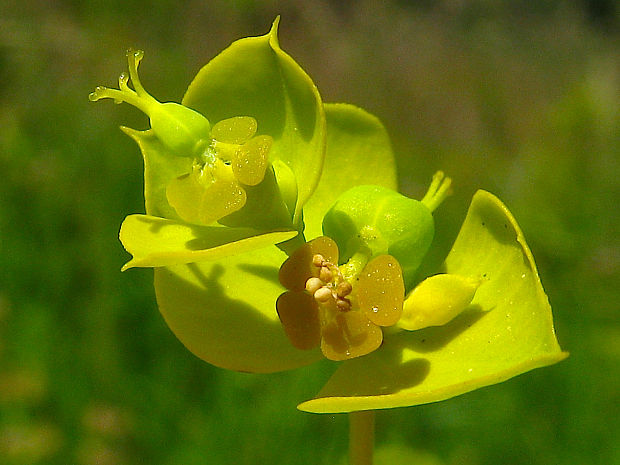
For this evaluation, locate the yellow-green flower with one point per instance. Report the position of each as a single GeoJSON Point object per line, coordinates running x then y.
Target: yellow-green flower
{"type": "Point", "coordinates": [214, 261]}
{"type": "Point", "coordinates": [233, 220]}
{"type": "Point", "coordinates": [215, 186]}
{"type": "Point", "coordinates": [342, 309]}
{"type": "Point", "coordinates": [224, 159]}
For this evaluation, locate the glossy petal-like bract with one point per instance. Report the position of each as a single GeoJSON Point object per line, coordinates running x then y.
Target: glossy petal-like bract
{"type": "Point", "coordinates": [160, 167]}
{"type": "Point", "coordinates": [255, 77]}
{"type": "Point", "coordinates": [358, 152]}
{"type": "Point", "coordinates": [155, 241]}
{"type": "Point", "coordinates": [224, 311]}
{"type": "Point", "coordinates": [507, 330]}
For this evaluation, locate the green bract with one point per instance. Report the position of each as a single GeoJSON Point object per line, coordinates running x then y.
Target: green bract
{"type": "Point", "coordinates": [255, 77]}
{"type": "Point", "coordinates": [207, 303]}
{"type": "Point", "coordinates": [506, 330]}
{"type": "Point", "coordinates": [228, 203]}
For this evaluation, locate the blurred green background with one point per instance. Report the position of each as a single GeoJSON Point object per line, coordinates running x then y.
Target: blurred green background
{"type": "Point", "coordinates": [519, 98]}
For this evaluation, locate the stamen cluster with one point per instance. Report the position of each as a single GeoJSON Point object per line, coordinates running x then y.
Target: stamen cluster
{"type": "Point", "coordinates": [330, 284]}
{"type": "Point", "coordinates": [322, 307]}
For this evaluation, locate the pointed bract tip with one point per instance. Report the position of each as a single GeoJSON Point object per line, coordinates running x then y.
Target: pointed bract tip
{"type": "Point", "coordinates": [273, 32]}
{"type": "Point", "coordinates": [128, 265]}
{"type": "Point", "coordinates": [131, 132]}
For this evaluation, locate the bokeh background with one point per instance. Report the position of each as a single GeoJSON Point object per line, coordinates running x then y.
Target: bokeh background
{"type": "Point", "coordinates": [519, 98]}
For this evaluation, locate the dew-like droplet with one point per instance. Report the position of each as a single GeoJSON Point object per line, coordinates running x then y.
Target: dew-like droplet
{"type": "Point", "coordinates": [250, 161]}
{"type": "Point", "coordinates": [299, 267]}
{"type": "Point", "coordinates": [381, 290]}
{"type": "Point", "coordinates": [137, 54]}
{"type": "Point", "coordinates": [235, 130]}
{"type": "Point", "coordinates": [123, 79]}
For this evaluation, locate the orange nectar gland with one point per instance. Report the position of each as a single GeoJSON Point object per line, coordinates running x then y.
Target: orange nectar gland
{"type": "Point", "coordinates": [225, 157]}
{"type": "Point", "coordinates": [343, 315]}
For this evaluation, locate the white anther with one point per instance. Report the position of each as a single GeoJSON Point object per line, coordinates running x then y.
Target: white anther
{"type": "Point", "coordinates": [323, 294]}
{"type": "Point", "coordinates": [343, 305]}
{"type": "Point", "coordinates": [344, 288]}
{"type": "Point", "coordinates": [325, 274]}
{"type": "Point", "coordinates": [314, 284]}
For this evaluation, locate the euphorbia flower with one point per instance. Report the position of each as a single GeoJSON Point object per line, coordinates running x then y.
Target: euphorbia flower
{"type": "Point", "coordinates": [344, 307]}
{"type": "Point", "coordinates": [340, 308]}
{"type": "Point", "coordinates": [215, 187]}
{"type": "Point", "coordinates": [216, 283]}
{"type": "Point", "coordinates": [222, 161]}
{"type": "Point", "coordinates": [482, 319]}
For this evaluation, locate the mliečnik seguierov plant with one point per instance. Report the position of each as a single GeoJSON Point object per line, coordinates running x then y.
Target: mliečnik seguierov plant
{"type": "Point", "coordinates": [278, 237]}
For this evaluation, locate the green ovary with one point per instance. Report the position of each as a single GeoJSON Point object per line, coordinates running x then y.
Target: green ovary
{"type": "Point", "coordinates": [182, 130]}
{"type": "Point", "coordinates": [226, 157]}
{"type": "Point", "coordinates": [386, 222]}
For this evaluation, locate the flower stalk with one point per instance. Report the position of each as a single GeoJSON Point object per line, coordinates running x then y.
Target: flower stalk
{"type": "Point", "coordinates": [361, 437]}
